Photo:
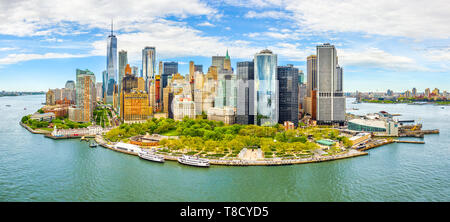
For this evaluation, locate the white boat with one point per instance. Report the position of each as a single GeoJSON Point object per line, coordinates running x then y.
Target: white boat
{"type": "Point", "coordinates": [151, 156]}
{"type": "Point", "coordinates": [127, 147]}
{"type": "Point", "coordinates": [193, 161]}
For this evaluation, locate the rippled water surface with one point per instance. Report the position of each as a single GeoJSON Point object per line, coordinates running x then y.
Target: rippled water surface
{"type": "Point", "coordinates": [34, 168]}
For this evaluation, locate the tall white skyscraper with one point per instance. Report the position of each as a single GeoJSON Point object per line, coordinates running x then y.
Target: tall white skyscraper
{"type": "Point", "coordinates": [148, 65]}
{"type": "Point", "coordinates": [330, 96]}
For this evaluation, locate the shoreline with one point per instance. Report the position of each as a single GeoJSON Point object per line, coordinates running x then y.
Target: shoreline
{"type": "Point", "coordinates": [236, 162]}
{"type": "Point", "coordinates": [351, 153]}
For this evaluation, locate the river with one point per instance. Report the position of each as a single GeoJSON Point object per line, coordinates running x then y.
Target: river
{"type": "Point", "coordinates": [34, 168]}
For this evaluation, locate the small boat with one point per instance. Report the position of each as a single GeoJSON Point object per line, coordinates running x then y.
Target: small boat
{"type": "Point", "coordinates": [84, 138]}
{"type": "Point", "coordinates": [24, 108]}
{"type": "Point", "coordinates": [93, 144]}
{"type": "Point", "coordinates": [193, 161]}
{"type": "Point", "coordinates": [151, 156]}
{"type": "Point", "coordinates": [8, 105]}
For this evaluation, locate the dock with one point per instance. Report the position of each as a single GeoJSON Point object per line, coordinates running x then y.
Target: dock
{"type": "Point", "coordinates": [375, 145]}
{"type": "Point", "coordinates": [406, 141]}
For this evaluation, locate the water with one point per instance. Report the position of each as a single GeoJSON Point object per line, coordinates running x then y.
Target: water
{"type": "Point", "coordinates": [34, 168]}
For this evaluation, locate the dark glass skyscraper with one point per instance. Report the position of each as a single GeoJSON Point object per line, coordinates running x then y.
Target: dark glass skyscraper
{"type": "Point", "coordinates": [288, 94]}
{"type": "Point", "coordinates": [245, 93]}
{"type": "Point", "coordinates": [198, 68]}
{"type": "Point", "coordinates": [169, 68]}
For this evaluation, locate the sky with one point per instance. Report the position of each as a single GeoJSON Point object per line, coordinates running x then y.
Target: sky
{"type": "Point", "coordinates": [381, 44]}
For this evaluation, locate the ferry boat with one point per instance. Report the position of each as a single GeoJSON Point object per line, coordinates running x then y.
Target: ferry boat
{"type": "Point", "coordinates": [193, 161]}
{"type": "Point", "coordinates": [151, 156]}
{"type": "Point", "coordinates": [129, 148]}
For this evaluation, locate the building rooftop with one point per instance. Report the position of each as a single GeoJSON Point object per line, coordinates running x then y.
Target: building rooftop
{"type": "Point", "coordinates": [326, 142]}
{"type": "Point", "coordinates": [266, 51]}
{"type": "Point", "coordinates": [369, 122]}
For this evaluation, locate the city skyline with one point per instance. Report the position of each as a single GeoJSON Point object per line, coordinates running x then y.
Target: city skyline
{"type": "Point", "coordinates": [42, 51]}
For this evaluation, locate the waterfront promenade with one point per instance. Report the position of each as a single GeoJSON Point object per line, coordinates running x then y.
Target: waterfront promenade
{"type": "Point", "coordinates": [235, 162]}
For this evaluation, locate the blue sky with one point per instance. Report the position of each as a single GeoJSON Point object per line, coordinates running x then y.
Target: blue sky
{"type": "Point", "coordinates": [381, 44]}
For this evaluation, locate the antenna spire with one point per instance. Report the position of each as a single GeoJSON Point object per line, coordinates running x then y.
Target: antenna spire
{"type": "Point", "coordinates": [112, 27]}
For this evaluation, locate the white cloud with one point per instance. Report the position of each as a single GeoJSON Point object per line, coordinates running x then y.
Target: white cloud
{"type": "Point", "coordinates": [415, 19]}
{"type": "Point", "coordinates": [15, 58]}
{"type": "Point", "coordinates": [206, 24]}
{"type": "Point", "coordinates": [252, 35]}
{"type": "Point", "coordinates": [45, 17]}
{"type": "Point", "coordinates": [267, 14]}
{"type": "Point", "coordinates": [438, 54]}
{"type": "Point", "coordinates": [377, 58]}
{"type": "Point", "coordinates": [254, 3]}
{"type": "Point", "coordinates": [175, 40]}
{"type": "Point", "coordinates": [7, 49]}
{"type": "Point", "coordinates": [406, 18]}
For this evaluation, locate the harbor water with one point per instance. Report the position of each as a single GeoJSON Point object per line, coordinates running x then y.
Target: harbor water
{"type": "Point", "coordinates": [35, 168]}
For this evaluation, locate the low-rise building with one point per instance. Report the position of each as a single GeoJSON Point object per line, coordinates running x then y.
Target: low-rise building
{"type": "Point", "coordinates": [359, 138]}
{"type": "Point", "coordinates": [43, 116]}
{"type": "Point", "coordinates": [288, 125]}
{"type": "Point", "coordinates": [226, 114]}
{"type": "Point", "coordinates": [381, 127]}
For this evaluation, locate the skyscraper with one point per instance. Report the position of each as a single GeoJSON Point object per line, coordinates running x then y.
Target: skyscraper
{"type": "Point", "coordinates": [148, 64]}
{"type": "Point", "coordinates": [226, 90]}
{"type": "Point", "coordinates": [123, 61]}
{"type": "Point", "coordinates": [135, 71]}
{"type": "Point", "coordinates": [311, 86]}
{"type": "Point", "coordinates": [288, 94]}
{"type": "Point", "coordinates": [198, 68]}
{"type": "Point", "coordinates": [70, 84]}
{"type": "Point", "coordinates": [111, 65]}
{"type": "Point", "coordinates": [312, 73]}
{"type": "Point", "coordinates": [301, 77]}
{"type": "Point", "coordinates": [104, 85]}
{"type": "Point", "coordinates": [170, 68]}
{"type": "Point", "coordinates": [218, 61]}
{"type": "Point", "coordinates": [330, 97]}
{"type": "Point", "coordinates": [339, 73]}
{"type": "Point", "coordinates": [266, 88]}
{"type": "Point", "coordinates": [85, 97]}
{"type": "Point", "coordinates": [245, 93]}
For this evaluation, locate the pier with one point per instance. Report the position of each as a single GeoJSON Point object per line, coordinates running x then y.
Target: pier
{"type": "Point", "coordinates": [375, 145]}
{"type": "Point", "coordinates": [406, 141]}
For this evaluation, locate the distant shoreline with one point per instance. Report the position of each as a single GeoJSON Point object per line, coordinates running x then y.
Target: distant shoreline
{"type": "Point", "coordinates": [24, 94]}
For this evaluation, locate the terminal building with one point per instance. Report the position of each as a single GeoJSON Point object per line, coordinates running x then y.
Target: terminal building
{"type": "Point", "coordinates": [376, 124]}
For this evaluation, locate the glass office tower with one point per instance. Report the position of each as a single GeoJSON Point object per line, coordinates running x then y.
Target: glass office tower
{"type": "Point", "coordinates": [266, 88]}
{"type": "Point", "coordinates": [245, 90]}
{"type": "Point", "coordinates": [288, 94]}
{"type": "Point", "coordinates": [111, 65]}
